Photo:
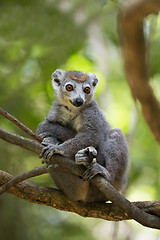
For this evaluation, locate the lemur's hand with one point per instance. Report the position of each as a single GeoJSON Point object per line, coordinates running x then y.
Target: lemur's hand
{"type": "Point", "coordinates": [49, 150]}
{"type": "Point", "coordinates": [86, 156]}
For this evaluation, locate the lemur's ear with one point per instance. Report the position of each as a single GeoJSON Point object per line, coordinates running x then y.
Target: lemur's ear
{"type": "Point", "coordinates": [93, 78]}
{"type": "Point", "coordinates": [57, 78]}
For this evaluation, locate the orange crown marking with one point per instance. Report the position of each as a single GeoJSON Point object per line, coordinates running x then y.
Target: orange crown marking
{"type": "Point", "coordinates": [82, 79]}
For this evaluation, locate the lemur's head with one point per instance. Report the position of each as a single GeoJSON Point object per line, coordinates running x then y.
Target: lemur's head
{"type": "Point", "coordinates": [73, 87]}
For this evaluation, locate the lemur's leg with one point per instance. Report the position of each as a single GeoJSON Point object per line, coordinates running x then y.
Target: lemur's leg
{"type": "Point", "coordinates": [116, 158]}
{"type": "Point", "coordinates": [115, 155]}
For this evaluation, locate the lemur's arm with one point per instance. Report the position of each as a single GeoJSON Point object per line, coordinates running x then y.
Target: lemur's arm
{"type": "Point", "coordinates": [54, 132]}
{"type": "Point", "coordinates": [68, 148]}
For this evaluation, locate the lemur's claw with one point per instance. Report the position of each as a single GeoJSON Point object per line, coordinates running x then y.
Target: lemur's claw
{"type": "Point", "coordinates": [86, 156]}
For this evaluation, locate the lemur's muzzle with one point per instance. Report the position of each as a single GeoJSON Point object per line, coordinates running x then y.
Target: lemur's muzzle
{"type": "Point", "coordinates": [77, 102]}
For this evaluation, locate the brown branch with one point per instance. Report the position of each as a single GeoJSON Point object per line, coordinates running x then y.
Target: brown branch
{"type": "Point", "coordinates": [20, 141]}
{"type": "Point", "coordinates": [115, 197]}
{"type": "Point", "coordinates": [134, 49]}
{"type": "Point", "coordinates": [112, 194]}
{"type": "Point", "coordinates": [55, 198]}
{"type": "Point", "coordinates": [20, 125]}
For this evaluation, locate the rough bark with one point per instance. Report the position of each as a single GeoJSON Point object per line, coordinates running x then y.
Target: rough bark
{"type": "Point", "coordinates": [55, 198]}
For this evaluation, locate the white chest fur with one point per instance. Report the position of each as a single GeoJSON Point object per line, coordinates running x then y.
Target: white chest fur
{"type": "Point", "coordinates": [70, 117]}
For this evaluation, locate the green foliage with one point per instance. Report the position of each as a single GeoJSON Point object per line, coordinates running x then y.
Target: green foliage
{"type": "Point", "coordinates": [36, 38]}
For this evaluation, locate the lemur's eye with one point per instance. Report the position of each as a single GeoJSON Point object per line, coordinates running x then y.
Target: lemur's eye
{"type": "Point", "coordinates": [69, 87]}
{"type": "Point", "coordinates": [87, 90]}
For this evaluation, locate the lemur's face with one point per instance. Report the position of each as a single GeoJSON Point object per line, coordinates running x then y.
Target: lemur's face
{"type": "Point", "coordinates": [74, 88]}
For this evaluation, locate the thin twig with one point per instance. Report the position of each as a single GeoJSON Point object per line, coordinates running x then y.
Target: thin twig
{"type": "Point", "coordinates": [35, 172]}
{"type": "Point", "coordinates": [32, 173]}
{"type": "Point", "coordinates": [20, 125]}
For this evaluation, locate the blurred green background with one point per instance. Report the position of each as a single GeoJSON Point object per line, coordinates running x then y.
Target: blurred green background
{"type": "Point", "coordinates": [36, 37]}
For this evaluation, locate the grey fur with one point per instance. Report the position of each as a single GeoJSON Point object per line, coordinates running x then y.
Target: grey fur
{"type": "Point", "coordinates": [82, 134]}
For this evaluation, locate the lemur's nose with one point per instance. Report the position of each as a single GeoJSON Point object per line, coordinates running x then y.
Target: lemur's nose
{"type": "Point", "coordinates": [78, 102]}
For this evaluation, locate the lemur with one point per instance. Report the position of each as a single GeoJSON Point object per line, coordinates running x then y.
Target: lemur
{"type": "Point", "coordinates": [76, 129]}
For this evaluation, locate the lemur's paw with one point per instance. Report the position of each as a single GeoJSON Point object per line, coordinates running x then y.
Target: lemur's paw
{"type": "Point", "coordinates": [92, 170]}
{"type": "Point", "coordinates": [48, 151]}
{"type": "Point", "coordinates": [86, 155]}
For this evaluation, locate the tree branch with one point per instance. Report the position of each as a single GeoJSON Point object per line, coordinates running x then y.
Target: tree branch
{"type": "Point", "coordinates": [112, 194]}
{"type": "Point", "coordinates": [56, 199]}
{"type": "Point", "coordinates": [20, 141]}
{"type": "Point", "coordinates": [135, 54]}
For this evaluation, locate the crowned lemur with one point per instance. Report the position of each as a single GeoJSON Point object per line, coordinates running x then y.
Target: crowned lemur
{"type": "Point", "coordinates": [76, 128]}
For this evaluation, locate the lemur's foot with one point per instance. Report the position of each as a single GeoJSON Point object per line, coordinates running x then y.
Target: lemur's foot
{"type": "Point", "coordinates": [48, 151]}
{"type": "Point", "coordinates": [92, 170]}
{"type": "Point", "coordinates": [86, 155]}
